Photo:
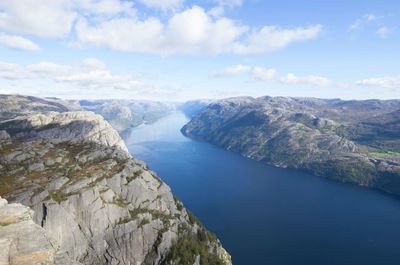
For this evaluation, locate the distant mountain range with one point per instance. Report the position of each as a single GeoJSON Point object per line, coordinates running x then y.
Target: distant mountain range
{"type": "Point", "coordinates": [350, 141]}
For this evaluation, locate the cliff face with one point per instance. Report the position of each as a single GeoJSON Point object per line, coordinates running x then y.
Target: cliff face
{"type": "Point", "coordinates": [22, 242]}
{"type": "Point", "coordinates": [325, 137]}
{"type": "Point", "coordinates": [12, 106]}
{"type": "Point", "coordinates": [67, 126]}
{"type": "Point", "coordinates": [96, 204]}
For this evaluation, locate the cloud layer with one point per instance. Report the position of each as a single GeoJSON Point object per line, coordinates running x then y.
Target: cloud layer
{"type": "Point", "coordinates": [264, 74]}
{"type": "Point", "coordinates": [116, 24]}
{"type": "Point", "coordinates": [18, 42]}
{"type": "Point", "coordinates": [392, 82]}
{"type": "Point", "coordinates": [88, 74]}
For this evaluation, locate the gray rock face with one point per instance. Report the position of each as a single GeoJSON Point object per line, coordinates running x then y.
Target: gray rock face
{"type": "Point", "coordinates": [316, 135]}
{"type": "Point", "coordinates": [22, 242]}
{"type": "Point", "coordinates": [12, 106]}
{"type": "Point", "coordinates": [68, 126]}
{"type": "Point", "coordinates": [96, 203]}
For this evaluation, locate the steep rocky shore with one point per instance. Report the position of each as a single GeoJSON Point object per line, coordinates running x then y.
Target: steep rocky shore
{"type": "Point", "coordinates": [349, 141]}
{"type": "Point", "coordinates": [93, 201]}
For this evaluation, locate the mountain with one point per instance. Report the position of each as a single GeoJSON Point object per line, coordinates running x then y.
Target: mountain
{"type": "Point", "coordinates": [123, 114]}
{"type": "Point", "coordinates": [90, 200]}
{"type": "Point", "coordinates": [349, 141]}
{"type": "Point", "coordinates": [12, 106]}
{"type": "Point", "coordinates": [192, 107]}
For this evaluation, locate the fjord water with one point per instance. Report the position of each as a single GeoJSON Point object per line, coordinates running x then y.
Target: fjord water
{"type": "Point", "coordinates": [267, 215]}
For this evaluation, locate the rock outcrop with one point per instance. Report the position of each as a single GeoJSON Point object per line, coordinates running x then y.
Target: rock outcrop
{"type": "Point", "coordinates": [95, 202]}
{"type": "Point", "coordinates": [331, 138]}
{"type": "Point", "coordinates": [22, 242]}
{"type": "Point", "coordinates": [67, 126]}
{"type": "Point", "coordinates": [12, 106]}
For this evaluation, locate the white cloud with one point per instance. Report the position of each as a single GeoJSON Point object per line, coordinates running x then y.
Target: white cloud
{"type": "Point", "coordinates": [365, 20]}
{"type": "Point", "coordinates": [306, 80]}
{"type": "Point", "coordinates": [190, 31]}
{"type": "Point", "coordinates": [105, 7]}
{"type": "Point", "coordinates": [17, 42]}
{"type": "Point", "coordinates": [114, 24]}
{"type": "Point", "coordinates": [229, 3]}
{"type": "Point", "coordinates": [383, 31]}
{"type": "Point", "coordinates": [55, 18]}
{"type": "Point", "coordinates": [271, 38]}
{"type": "Point", "coordinates": [90, 73]}
{"type": "Point", "coordinates": [370, 17]}
{"type": "Point", "coordinates": [256, 73]}
{"type": "Point", "coordinates": [11, 71]}
{"type": "Point", "coordinates": [45, 18]}
{"type": "Point", "coordinates": [232, 71]}
{"type": "Point", "coordinates": [385, 82]}
{"type": "Point", "coordinates": [162, 4]}
{"type": "Point", "coordinates": [219, 9]}
{"type": "Point", "coordinates": [263, 74]}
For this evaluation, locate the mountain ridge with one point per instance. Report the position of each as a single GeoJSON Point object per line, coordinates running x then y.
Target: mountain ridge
{"type": "Point", "coordinates": [308, 134]}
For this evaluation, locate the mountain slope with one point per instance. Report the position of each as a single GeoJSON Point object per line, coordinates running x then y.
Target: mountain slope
{"type": "Point", "coordinates": [308, 134]}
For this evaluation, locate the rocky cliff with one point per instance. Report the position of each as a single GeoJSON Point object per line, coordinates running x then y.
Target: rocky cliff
{"type": "Point", "coordinates": [349, 141]}
{"type": "Point", "coordinates": [12, 106]}
{"type": "Point", "coordinates": [22, 241]}
{"type": "Point", "coordinates": [96, 204]}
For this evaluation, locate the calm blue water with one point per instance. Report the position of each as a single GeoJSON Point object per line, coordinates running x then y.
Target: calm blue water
{"type": "Point", "coordinates": [267, 215]}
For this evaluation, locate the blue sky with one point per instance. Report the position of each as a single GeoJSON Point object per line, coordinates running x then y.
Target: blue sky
{"type": "Point", "coordinates": [179, 50]}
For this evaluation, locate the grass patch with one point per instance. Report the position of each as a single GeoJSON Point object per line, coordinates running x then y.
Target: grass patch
{"type": "Point", "coordinates": [3, 224]}
{"type": "Point", "coordinates": [143, 222]}
{"type": "Point", "coordinates": [57, 196]}
{"type": "Point", "coordinates": [119, 202]}
{"type": "Point", "coordinates": [384, 154]}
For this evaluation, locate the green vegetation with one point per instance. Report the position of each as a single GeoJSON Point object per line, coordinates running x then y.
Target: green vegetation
{"type": "Point", "coordinates": [143, 222]}
{"type": "Point", "coordinates": [57, 196]}
{"type": "Point", "coordinates": [178, 203]}
{"type": "Point", "coordinates": [2, 224]}
{"type": "Point", "coordinates": [359, 172]}
{"type": "Point", "coordinates": [120, 202]}
{"type": "Point", "coordinates": [165, 218]}
{"type": "Point", "coordinates": [384, 154]}
{"type": "Point", "coordinates": [190, 245]}
{"type": "Point", "coordinates": [134, 176]}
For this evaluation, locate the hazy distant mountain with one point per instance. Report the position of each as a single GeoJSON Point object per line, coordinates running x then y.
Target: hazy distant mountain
{"type": "Point", "coordinates": [192, 107]}
{"type": "Point", "coordinates": [122, 114]}
{"type": "Point", "coordinates": [350, 141]}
